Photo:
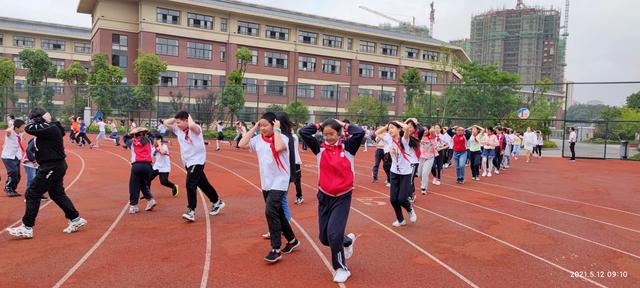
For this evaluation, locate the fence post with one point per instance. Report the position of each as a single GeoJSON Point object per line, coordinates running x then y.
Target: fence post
{"type": "Point", "coordinates": [606, 138]}
{"type": "Point", "coordinates": [337, 100]}
{"type": "Point", "coordinates": [564, 116]}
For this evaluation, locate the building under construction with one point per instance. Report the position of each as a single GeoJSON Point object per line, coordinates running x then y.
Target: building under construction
{"type": "Point", "coordinates": [524, 40]}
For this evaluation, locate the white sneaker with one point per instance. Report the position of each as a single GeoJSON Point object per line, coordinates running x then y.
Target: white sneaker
{"type": "Point", "coordinates": [412, 216]}
{"type": "Point", "coordinates": [21, 232]}
{"type": "Point", "coordinates": [489, 175]}
{"type": "Point", "coordinates": [216, 208]}
{"type": "Point", "coordinates": [497, 172]}
{"type": "Point", "coordinates": [75, 225]}
{"type": "Point", "coordinates": [341, 275]}
{"type": "Point", "coordinates": [438, 183]}
{"type": "Point", "coordinates": [133, 209]}
{"type": "Point", "coordinates": [484, 173]}
{"type": "Point", "coordinates": [190, 215]}
{"type": "Point", "coordinates": [150, 204]}
{"type": "Point", "coordinates": [424, 191]}
{"type": "Point", "coordinates": [398, 224]}
{"type": "Point", "coordinates": [266, 235]}
{"type": "Point", "coordinates": [433, 181]}
{"type": "Point", "coordinates": [348, 251]}
{"type": "Point", "coordinates": [388, 185]}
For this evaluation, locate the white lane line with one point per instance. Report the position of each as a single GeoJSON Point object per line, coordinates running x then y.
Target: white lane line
{"type": "Point", "coordinates": [66, 188]}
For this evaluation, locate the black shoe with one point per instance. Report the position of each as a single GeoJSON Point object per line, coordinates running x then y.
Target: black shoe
{"type": "Point", "coordinates": [44, 198]}
{"type": "Point", "coordinates": [13, 194]}
{"type": "Point", "coordinates": [291, 246]}
{"type": "Point", "coordinates": [273, 256]}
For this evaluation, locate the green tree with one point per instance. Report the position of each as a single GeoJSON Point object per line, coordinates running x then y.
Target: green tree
{"type": "Point", "coordinates": [7, 73]}
{"type": "Point", "coordinates": [298, 112]}
{"type": "Point", "coordinates": [232, 97]}
{"type": "Point", "coordinates": [414, 87]}
{"type": "Point", "coordinates": [585, 112]}
{"type": "Point", "coordinates": [104, 80]}
{"type": "Point", "coordinates": [148, 67]}
{"type": "Point", "coordinates": [633, 100]}
{"type": "Point", "coordinates": [368, 110]}
{"type": "Point", "coordinates": [274, 108]}
{"type": "Point", "coordinates": [76, 77]}
{"type": "Point", "coordinates": [243, 56]}
{"type": "Point", "coordinates": [39, 68]}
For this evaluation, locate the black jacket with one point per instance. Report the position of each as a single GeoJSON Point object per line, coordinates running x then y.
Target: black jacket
{"type": "Point", "coordinates": [49, 144]}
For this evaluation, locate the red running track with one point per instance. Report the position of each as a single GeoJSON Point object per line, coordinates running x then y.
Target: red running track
{"type": "Point", "coordinates": [531, 226]}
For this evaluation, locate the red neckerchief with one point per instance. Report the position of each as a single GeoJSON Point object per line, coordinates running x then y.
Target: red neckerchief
{"type": "Point", "coordinates": [500, 140]}
{"type": "Point", "coordinates": [333, 148]}
{"type": "Point", "coordinates": [24, 153]}
{"type": "Point", "coordinates": [272, 144]}
{"type": "Point", "coordinates": [475, 137]}
{"type": "Point", "coordinates": [404, 155]}
{"type": "Point", "coordinates": [186, 135]}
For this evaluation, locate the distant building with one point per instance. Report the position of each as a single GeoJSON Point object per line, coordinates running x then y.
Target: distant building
{"type": "Point", "coordinates": [465, 44]}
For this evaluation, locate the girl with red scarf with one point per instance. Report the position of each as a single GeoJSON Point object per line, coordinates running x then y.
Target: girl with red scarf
{"type": "Point", "coordinates": [273, 159]}
{"type": "Point", "coordinates": [415, 131]}
{"type": "Point", "coordinates": [335, 186]}
{"type": "Point", "coordinates": [428, 154]}
{"type": "Point", "coordinates": [141, 169]}
{"type": "Point", "coordinates": [441, 146]}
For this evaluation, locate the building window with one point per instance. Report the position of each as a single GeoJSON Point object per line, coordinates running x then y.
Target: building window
{"type": "Point", "coordinates": [275, 88]}
{"type": "Point", "coordinates": [332, 41]}
{"type": "Point", "coordinates": [368, 92]}
{"type": "Point", "coordinates": [199, 50]}
{"type": "Point", "coordinates": [119, 60]}
{"type": "Point", "coordinates": [18, 62]}
{"type": "Point", "coordinates": [199, 81]}
{"type": "Point", "coordinates": [119, 57]}
{"type": "Point", "coordinates": [412, 53]}
{"type": "Point", "coordinates": [18, 85]}
{"type": "Point", "coordinates": [331, 66]}
{"type": "Point", "coordinates": [307, 64]}
{"type": "Point", "coordinates": [390, 50]}
{"type": "Point", "coordinates": [22, 41]}
{"type": "Point", "coordinates": [57, 87]}
{"type": "Point", "coordinates": [168, 16]}
{"type": "Point", "coordinates": [200, 21]}
{"type": "Point", "coordinates": [169, 79]}
{"type": "Point", "coordinates": [250, 86]}
{"type": "Point", "coordinates": [349, 44]}
{"type": "Point", "coordinates": [445, 58]}
{"type": "Point", "coordinates": [48, 44]}
{"type": "Point", "coordinates": [346, 93]}
{"type": "Point", "coordinates": [348, 68]}
{"type": "Point", "coordinates": [430, 56]}
{"type": "Point", "coordinates": [119, 42]}
{"type": "Point", "coordinates": [367, 46]}
{"type": "Point", "coordinates": [277, 60]}
{"type": "Point", "coordinates": [1, 39]}
{"type": "Point", "coordinates": [329, 92]}
{"type": "Point", "coordinates": [366, 70]}
{"type": "Point", "coordinates": [247, 28]}
{"type": "Point", "coordinates": [86, 66]}
{"type": "Point", "coordinates": [58, 63]}
{"type": "Point", "coordinates": [223, 24]}
{"type": "Point", "coordinates": [388, 73]}
{"type": "Point", "coordinates": [82, 48]}
{"type": "Point", "coordinates": [308, 37]}
{"type": "Point", "coordinates": [278, 33]}
{"type": "Point", "coordinates": [167, 46]}
{"type": "Point", "coordinates": [254, 58]}
{"type": "Point", "coordinates": [430, 77]}
{"type": "Point", "coordinates": [223, 53]}
{"type": "Point", "coordinates": [387, 97]}
{"type": "Point", "coordinates": [306, 90]}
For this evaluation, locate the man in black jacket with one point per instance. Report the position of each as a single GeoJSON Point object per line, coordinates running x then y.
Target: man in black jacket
{"type": "Point", "coordinates": [51, 157]}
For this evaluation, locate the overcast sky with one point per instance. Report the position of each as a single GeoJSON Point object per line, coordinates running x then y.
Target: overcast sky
{"type": "Point", "coordinates": [604, 41]}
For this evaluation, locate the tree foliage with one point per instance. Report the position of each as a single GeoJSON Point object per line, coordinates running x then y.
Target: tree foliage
{"type": "Point", "coordinates": [204, 108]}
{"type": "Point", "coordinates": [7, 73]}
{"type": "Point", "coordinates": [232, 97]}
{"type": "Point", "coordinates": [274, 108]}
{"type": "Point", "coordinates": [368, 110]}
{"type": "Point", "coordinates": [414, 87]}
{"type": "Point", "coordinates": [633, 100]}
{"type": "Point", "coordinates": [298, 112]}
{"type": "Point", "coordinates": [104, 80]}
{"type": "Point", "coordinates": [76, 77]}
{"type": "Point", "coordinates": [148, 66]}
{"type": "Point", "coordinates": [39, 67]}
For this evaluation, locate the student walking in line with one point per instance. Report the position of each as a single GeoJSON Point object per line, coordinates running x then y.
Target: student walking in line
{"type": "Point", "coordinates": [415, 131]}
{"type": "Point", "coordinates": [336, 177]}
{"type": "Point", "coordinates": [475, 150]}
{"type": "Point", "coordinates": [12, 153]}
{"type": "Point", "coordinates": [114, 132]}
{"type": "Point", "coordinates": [378, 158]}
{"type": "Point", "coordinates": [219, 129]}
{"type": "Point", "coordinates": [141, 169]}
{"type": "Point", "coordinates": [395, 135]}
{"type": "Point", "coordinates": [428, 154]}
{"type": "Point", "coordinates": [489, 143]}
{"type": "Point", "coordinates": [460, 153]}
{"type": "Point", "coordinates": [273, 159]}
{"type": "Point", "coordinates": [162, 165]}
{"type": "Point", "coordinates": [102, 131]}
{"type": "Point", "coordinates": [499, 150]}
{"type": "Point", "coordinates": [530, 141]}
{"type": "Point", "coordinates": [438, 161]}
{"type": "Point", "coordinates": [49, 178]}
{"type": "Point", "coordinates": [82, 138]}
{"type": "Point", "coordinates": [447, 135]}
{"type": "Point", "coordinates": [516, 141]}
{"type": "Point", "coordinates": [539, 142]}
{"type": "Point", "coordinates": [506, 156]}
{"type": "Point", "coordinates": [193, 153]}
{"type": "Point", "coordinates": [573, 138]}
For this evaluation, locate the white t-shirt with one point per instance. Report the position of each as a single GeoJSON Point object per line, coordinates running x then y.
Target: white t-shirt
{"type": "Point", "coordinates": [573, 137]}
{"type": "Point", "coordinates": [445, 137]}
{"type": "Point", "coordinates": [101, 126]}
{"type": "Point", "coordinates": [162, 129]}
{"type": "Point", "coordinates": [399, 165]}
{"type": "Point", "coordinates": [192, 151]}
{"type": "Point", "coordinates": [272, 177]}
{"type": "Point", "coordinates": [530, 139]}
{"type": "Point", "coordinates": [163, 162]}
{"type": "Point", "coordinates": [295, 147]}
{"type": "Point", "coordinates": [540, 140]}
{"type": "Point", "coordinates": [11, 149]}
{"type": "Point", "coordinates": [219, 127]}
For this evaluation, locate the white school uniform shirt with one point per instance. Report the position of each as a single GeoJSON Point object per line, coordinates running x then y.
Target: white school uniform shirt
{"type": "Point", "coordinates": [573, 137]}
{"type": "Point", "coordinates": [272, 177]}
{"type": "Point", "coordinates": [399, 165]}
{"type": "Point", "coordinates": [162, 129]}
{"type": "Point", "coordinates": [219, 127]}
{"type": "Point", "coordinates": [113, 128]}
{"type": "Point", "coordinates": [101, 127]}
{"type": "Point", "coordinates": [11, 149]}
{"type": "Point", "coordinates": [530, 138]}
{"type": "Point", "coordinates": [162, 162]}
{"type": "Point", "coordinates": [445, 137]}
{"type": "Point", "coordinates": [540, 140]}
{"type": "Point", "coordinates": [192, 151]}
{"type": "Point", "coordinates": [295, 146]}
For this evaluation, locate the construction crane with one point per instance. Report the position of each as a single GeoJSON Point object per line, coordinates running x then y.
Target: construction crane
{"type": "Point", "coordinates": [386, 16]}
{"type": "Point", "coordinates": [432, 19]}
{"type": "Point", "coordinates": [566, 20]}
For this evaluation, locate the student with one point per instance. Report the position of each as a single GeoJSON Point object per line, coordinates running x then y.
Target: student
{"type": "Point", "coordinates": [101, 132]}
{"type": "Point", "coordinates": [12, 152]}
{"type": "Point", "coordinates": [50, 156]}
{"type": "Point", "coordinates": [506, 156]}
{"type": "Point", "coordinates": [516, 143]}
{"type": "Point", "coordinates": [75, 129]}
{"type": "Point", "coordinates": [193, 153]}
{"type": "Point", "coordinates": [499, 150]}
{"type": "Point", "coordinates": [489, 143]}
{"type": "Point", "coordinates": [30, 164]}
{"type": "Point", "coordinates": [294, 158]}
{"type": "Point", "coordinates": [132, 124]}
{"type": "Point", "coordinates": [460, 153]}
{"type": "Point", "coordinates": [530, 141]}
{"type": "Point", "coordinates": [573, 138]}
{"type": "Point", "coordinates": [219, 129]}
{"type": "Point", "coordinates": [335, 187]}
{"type": "Point", "coordinates": [273, 159]}
{"type": "Point", "coordinates": [441, 148]}
{"type": "Point", "coordinates": [114, 132]}
{"type": "Point", "coordinates": [416, 131]}
{"type": "Point", "coordinates": [539, 142]}
{"type": "Point", "coordinates": [428, 154]}
{"type": "Point", "coordinates": [378, 158]}
{"type": "Point", "coordinates": [10, 119]}
{"type": "Point", "coordinates": [395, 135]}
{"type": "Point", "coordinates": [446, 135]}
{"type": "Point", "coordinates": [162, 165]}
{"type": "Point", "coordinates": [81, 137]}
{"type": "Point", "coordinates": [475, 144]}
{"type": "Point", "coordinates": [162, 129]}
{"type": "Point", "coordinates": [141, 169]}
{"type": "Point", "coordinates": [241, 130]}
